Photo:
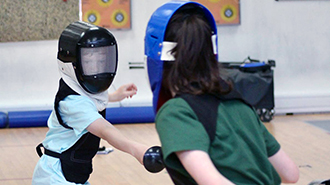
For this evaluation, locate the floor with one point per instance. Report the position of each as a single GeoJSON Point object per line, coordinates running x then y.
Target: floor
{"type": "Point", "coordinates": [305, 138]}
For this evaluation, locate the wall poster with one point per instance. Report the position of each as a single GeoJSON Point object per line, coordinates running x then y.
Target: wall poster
{"type": "Point", "coordinates": [225, 12]}
{"type": "Point", "coordinates": [111, 14]}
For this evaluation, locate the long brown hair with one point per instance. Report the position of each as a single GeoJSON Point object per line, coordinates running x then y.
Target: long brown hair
{"type": "Point", "coordinates": [195, 69]}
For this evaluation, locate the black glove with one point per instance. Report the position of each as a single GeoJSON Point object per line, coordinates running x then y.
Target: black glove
{"type": "Point", "coordinates": [153, 159]}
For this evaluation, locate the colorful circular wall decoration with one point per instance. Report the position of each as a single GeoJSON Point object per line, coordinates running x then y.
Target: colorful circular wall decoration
{"type": "Point", "coordinates": [105, 3]}
{"type": "Point", "coordinates": [228, 13]}
{"type": "Point", "coordinates": [118, 17]}
{"type": "Point", "coordinates": [225, 12]}
{"type": "Point", "coordinates": [111, 14]}
{"type": "Point", "coordinates": [92, 16]}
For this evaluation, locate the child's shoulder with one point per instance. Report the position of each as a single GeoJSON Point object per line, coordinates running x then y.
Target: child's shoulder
{"type": "Point", "coordinates": [77, 101]}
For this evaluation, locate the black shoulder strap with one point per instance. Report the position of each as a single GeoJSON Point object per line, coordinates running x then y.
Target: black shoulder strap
{"type": "Point", "coordinates": [206, 108]}
{"type": "Point", "coordinates": [63, 91]}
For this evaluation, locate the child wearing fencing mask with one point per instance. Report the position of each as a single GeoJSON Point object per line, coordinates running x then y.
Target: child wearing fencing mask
{"type": "Point", "coordinates": [87, 61]}
{"type": "Point", "coordinates": [206, 138]}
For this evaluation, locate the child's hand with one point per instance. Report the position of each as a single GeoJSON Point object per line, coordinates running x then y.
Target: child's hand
{"type": "Point", "coordinates": [124, 91]}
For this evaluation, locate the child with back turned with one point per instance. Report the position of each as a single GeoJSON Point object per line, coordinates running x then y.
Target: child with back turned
{"type": "Point", "coordinates": [206, 138]}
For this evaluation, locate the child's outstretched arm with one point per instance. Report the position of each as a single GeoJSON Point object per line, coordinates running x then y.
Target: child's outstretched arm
{"type": "Point", "coordinates": [285, 167]}
{"type": "Point", "coordinates": [124, 91]}
{"type": "Point", "coordinates": [103, 129]}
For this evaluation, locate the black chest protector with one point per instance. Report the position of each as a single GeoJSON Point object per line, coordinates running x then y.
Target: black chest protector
{"type": "Point", "coordinates": [76, 162]}
{"type": "Point", "coordinates": [206, 108]}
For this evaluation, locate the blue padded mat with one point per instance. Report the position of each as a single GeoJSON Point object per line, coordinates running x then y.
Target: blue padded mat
{"type": "Point", "coordinates": [3, 119]}
{"type": "Point", "coordinates": [130, 115]}
{"type": "Point", "coordinates": [17, 119]}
